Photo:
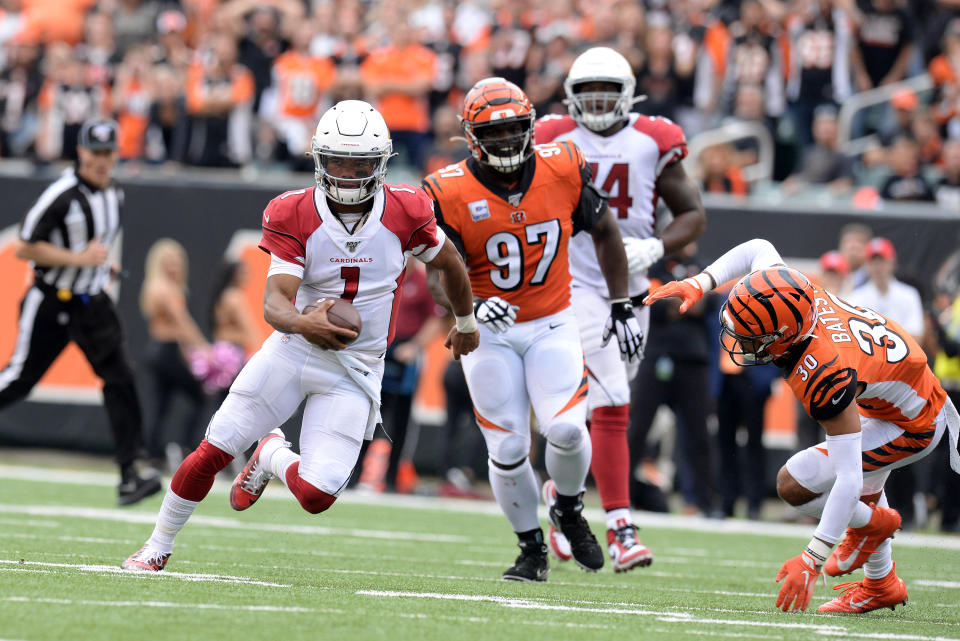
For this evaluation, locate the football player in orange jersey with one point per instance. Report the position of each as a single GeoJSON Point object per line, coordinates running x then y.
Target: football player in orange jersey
{"type": "Point", "coordinates": [511, 208]}
{"type": "Point", "coordinates": [866, 381]}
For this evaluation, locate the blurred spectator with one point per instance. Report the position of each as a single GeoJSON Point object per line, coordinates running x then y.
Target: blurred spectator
{"type": "Point", "coordinates": [720, 172]}
{"type": "Point", "coordinates": [852, 245]}
{"type": "Point", "coordinates": [906, 182]}
{"type": "Point", "coordinates": [220, 93]}
{"type": "Point", "coordinates": [398, 78]}
{"type": "Point", "coordinates": [172, 48]}
{"type": "Point", "coordinates": [661, 78]}
{"type": "Point", "coordinates": [66, 100]}
{"type": "Point", "coordinates": [460, 445]}
{"type": "Point", "coordinates": [753, 60]}
{"type": "Point", "coordinates": [884, 44]}
{"type": "Point", "coordinates": [741, 401]}
{"type": "Point", "coordinates": [510, 42]}
{"type": "Point", "coordinates": [823, 163]}
{"type": "Point", "coordinates": [947, 368]}
{"type": "Point", "coordinates": [173, 334]}
{"type": "Point", "coordinates": [131, 100]}
{"type": "Point", "coordinates": [98, 50]}
{"type": "Point", "coordinates": [257, 25]}
{"type": "Point", "coordinates": [52, 21]}
{"type": "Point", "coordinates": [675, 372]}
{"type": "Point", "coordinates": [298, 96]}
{"type": "Point", "coordinates": [339, 36]}
{"type": "Point", "coordinates": [833, 273]}
{"type": "Point", "coordinates": [947, 191]}
{"type": "Point", "coordinates": [447, 147]}
{"type": "Point", "coordinates": [885, 294]}
{"type": "Point", "coordinates": [899, 120]}
{"type": "Point", "coordinates": [168, 126]}
{"type": "Point", "coordinates": [944, 69]}
{"type": "Point", "coordinates": [20, 81]}
{"type": "Point", "coordinates": [230, 318]}
{"type": "Point", "coordinates": [548, 64]}
{"type": "Point", "coordinates": [819, 37]}
{"type": "Point", "coordinates": [446, 90]}
{"type": "Point", "coordinates": [926, 134]}
{"type": "Point", "coordinates": [134, 22]}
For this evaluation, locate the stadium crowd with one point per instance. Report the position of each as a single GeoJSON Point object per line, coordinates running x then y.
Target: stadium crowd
{"type": "Point", "coordinates": [233, 82]}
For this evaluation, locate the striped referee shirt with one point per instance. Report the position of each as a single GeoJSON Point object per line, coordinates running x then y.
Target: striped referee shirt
{"type": "Point", "coordinates": [69, 214]}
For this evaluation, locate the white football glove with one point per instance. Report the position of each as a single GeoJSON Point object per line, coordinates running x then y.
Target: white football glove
{"type": "Point", "coordinates": [625, 326]}
{"type": "Point", "coordinates": [642, 253]}
{"type": "Point", "coordinates": [495, 313]}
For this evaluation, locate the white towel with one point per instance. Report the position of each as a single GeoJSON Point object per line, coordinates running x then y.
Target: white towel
{"type": "Point", "coordinates": [368, 380]}
{"type": "Point", "coordinates": [953, 430]}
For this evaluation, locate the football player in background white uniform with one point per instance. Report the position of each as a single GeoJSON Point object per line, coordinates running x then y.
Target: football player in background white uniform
{"type": "Point", "coordinates": [348, 237]}
{"type": "Point", "coordinates": [636, 160]}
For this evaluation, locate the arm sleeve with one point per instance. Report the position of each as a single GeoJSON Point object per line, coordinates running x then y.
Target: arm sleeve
{"type": "Point", "coordinates": [744, 258]}
{"type": "Point", "coordinates": [843, 452]}
{"type": "Point", "coordinates": [592, 203]}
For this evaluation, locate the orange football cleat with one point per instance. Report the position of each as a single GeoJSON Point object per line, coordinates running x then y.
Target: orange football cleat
{"type": "Point", "coordinates": [870, 594]}
{"type": "Point", "coordinates": [861, 542]}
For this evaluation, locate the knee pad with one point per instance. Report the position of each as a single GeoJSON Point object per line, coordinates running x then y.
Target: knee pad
{"type": "Point", "coordinates": [565, 436]}
{"type": "Point", "coordinates": [510, 451]}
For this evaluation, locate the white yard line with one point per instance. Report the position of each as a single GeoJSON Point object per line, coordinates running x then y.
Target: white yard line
{"type": "Point", "coordinates": [127, 516]}
{"type": "Point", "coordinates": [924, 583]}
{"type": "Point", "coordinates": [169, 604]}
{"type": "Point", "coordinates": [41, 474]}
{"type": "Point", "coordinates": [110, 569]}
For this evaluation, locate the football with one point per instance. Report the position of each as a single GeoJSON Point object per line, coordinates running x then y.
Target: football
{"type": "Point", "coordinates": [342, 314]}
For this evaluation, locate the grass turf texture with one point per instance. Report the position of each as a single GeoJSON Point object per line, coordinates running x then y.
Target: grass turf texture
{"type": "Point", "coordinates": [398, 569]}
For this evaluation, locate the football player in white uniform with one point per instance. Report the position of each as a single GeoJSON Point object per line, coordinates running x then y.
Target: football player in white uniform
{"type": "Point", "coordinates": [636, 160]}
{"type": "Point", "coordinates": [348, 237]}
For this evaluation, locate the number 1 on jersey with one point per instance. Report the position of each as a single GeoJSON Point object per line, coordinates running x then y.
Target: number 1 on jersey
{"type": "Point", "coordinates": [352, 277]}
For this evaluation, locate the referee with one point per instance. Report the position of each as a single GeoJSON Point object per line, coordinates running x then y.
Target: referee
{"type": "Point", "coordinates": [67, 235]}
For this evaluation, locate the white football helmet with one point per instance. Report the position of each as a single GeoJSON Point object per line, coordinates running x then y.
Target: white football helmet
{"type": "Point", "coordinates": [351, 129]}
{"type": "Point", "coordinates": [599, 110]}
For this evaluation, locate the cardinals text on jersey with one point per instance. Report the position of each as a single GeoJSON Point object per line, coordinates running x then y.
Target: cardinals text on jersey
{"type": "Point", "coordinates": [515, 241]}
{"type": "Point", "coordinates": [625, 167]}
{"type": "Point", "coordinates": [365, 268]}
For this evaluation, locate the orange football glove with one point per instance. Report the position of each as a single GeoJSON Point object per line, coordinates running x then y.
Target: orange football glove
{"type": "Point", "coordinates": [801, 573]}
{"type": "Point", "coordinates": [688, 290]}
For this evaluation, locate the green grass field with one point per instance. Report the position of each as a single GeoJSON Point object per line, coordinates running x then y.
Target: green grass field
{"type": "Point", "coordinates": [405, 568]}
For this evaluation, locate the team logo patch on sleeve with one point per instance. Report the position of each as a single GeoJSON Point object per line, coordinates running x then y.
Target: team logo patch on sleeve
{"type": "Point", "coordinates": [479, 210]}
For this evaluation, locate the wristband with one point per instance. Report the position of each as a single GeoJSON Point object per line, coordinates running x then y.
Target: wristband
{"type": "Point", "coordinates": [819, 550]}
{"type": "Point", "coordinates": [705, 280]}
{"type": "Point", "coordinates": [466, 324]}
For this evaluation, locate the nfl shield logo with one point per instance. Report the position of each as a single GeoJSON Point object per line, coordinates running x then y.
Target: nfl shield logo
{"type": "Point", "coordinates": [514, 199]}
{"type": "Point", "coordinates": [479, 210]}
{"type": "Point", "coordinates": [352, 245]}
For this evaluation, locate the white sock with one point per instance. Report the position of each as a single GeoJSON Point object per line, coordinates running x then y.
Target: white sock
{"type": "Point", "coordinates": [174, 513]}
{"type": "Point", "coordinates": [279, 460]}
{"type": "Point", "coordinates": [568, 468]}
{"type": "Point", "coordinates": [516, 493]}
{"type": "Point", "coordinates": [861, 512]}
{"type": "Point", "coordinates": [861, 515]}
{"type": "Point", "coordinates": [879, 563]}
{"type": "Point", "coordinates": [618, 518]}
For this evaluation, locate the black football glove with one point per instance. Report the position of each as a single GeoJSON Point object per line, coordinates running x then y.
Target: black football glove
{"type": "Point", "coordinates": [495, 313]}
{"type": "Point", "coordinates": [625, 326]}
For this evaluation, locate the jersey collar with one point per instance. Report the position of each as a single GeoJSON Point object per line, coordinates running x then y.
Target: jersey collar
{"type": "Point", "coordinates": [349, 244]}
{"type": "Point", "coordinates": [498, 190]}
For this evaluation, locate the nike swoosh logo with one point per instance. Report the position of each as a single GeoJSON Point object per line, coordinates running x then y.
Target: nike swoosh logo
{"type": "Point", "coordinates": [836, 399]}
{"type": "Point", "coordinates": [860, 604]}
{"type": "Point", "coordinates": [847, 563]}
{"type": "Point", "coordinates": [552, 326]}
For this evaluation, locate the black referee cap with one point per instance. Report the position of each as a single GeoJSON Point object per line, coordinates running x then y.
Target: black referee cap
{"type": "Point", "coordinates": [97, 134]}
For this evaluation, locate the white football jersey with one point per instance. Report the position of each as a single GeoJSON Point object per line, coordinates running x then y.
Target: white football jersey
{"type": "Point", "coordinates": [625, 166]}
{"type": "Point", "coordinates": [366, 268]}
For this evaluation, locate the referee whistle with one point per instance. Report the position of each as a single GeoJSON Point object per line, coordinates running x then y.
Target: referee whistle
{"type": "Point", "coordinates": [64, 295]}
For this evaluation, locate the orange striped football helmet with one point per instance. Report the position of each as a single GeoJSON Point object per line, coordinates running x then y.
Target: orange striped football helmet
{"type": "Point", "coordinates": [497, 119]}
{"type": "Point", "coordinates": [767, 312]}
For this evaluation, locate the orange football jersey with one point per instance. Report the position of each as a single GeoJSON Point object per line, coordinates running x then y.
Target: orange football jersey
{"type": "Point", "coordinates": [514, 241]}
{"type": "Point", "coordinates": [852, 345]}
{"type": "Point", "coordinates": [301, 81]}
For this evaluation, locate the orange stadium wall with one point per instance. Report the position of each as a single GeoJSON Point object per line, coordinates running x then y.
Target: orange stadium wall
{"type": "Point", "coordinates": [215, 222]}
